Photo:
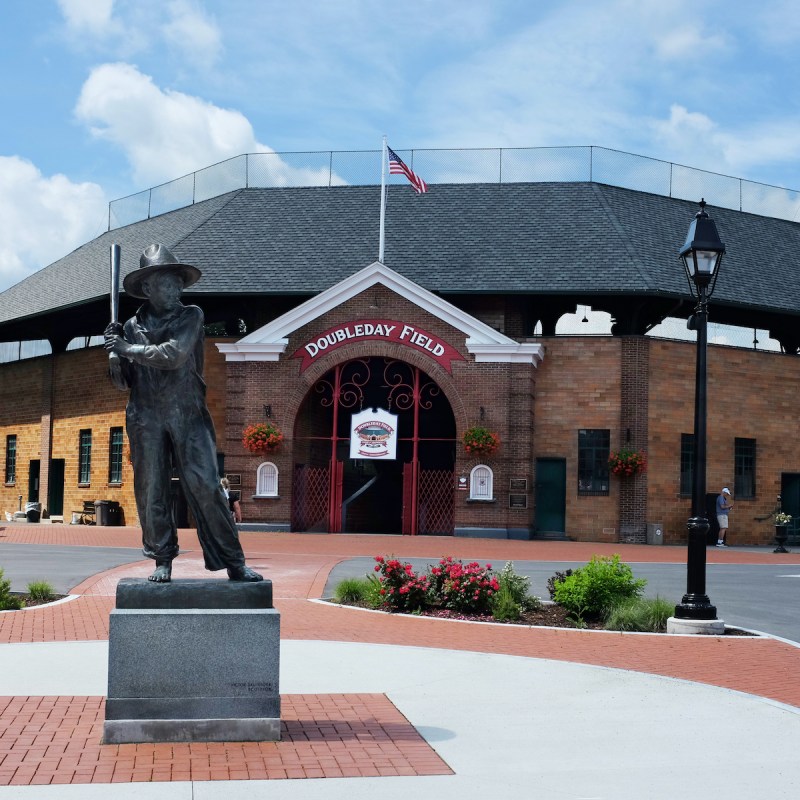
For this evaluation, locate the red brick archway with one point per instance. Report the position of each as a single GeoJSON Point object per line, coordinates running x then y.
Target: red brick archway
{"type": "Point", "coordinates": [412, 494]}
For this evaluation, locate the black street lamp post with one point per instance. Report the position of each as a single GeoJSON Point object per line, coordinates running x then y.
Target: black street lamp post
{"type": "Point", "coordinates": [701, 255]}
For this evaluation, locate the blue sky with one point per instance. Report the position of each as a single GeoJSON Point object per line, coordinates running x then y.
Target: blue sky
{"type": "Point", "coordinates": [104, 98]}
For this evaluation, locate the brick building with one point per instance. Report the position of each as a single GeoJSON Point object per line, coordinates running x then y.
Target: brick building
{"type": "Point", "coordinates": [456, 329]}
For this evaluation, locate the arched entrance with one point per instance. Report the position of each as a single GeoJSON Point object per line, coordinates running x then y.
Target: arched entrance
{"type": "Point", "coordinates": [410, 494]}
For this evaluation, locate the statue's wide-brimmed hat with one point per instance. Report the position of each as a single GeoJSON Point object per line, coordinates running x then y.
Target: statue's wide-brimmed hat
{"type": "Point", "coordinates": [157, 258]}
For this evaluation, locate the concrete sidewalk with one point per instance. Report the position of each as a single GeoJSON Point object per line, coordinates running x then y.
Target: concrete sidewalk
{"type": "Point", "coordinates": [505, 725]}
{"type": "Point", "coordinates": [538, 712]}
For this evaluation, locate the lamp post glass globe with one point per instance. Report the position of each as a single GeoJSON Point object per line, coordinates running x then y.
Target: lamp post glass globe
{"type": "Point", "coordinates": [702, 253]}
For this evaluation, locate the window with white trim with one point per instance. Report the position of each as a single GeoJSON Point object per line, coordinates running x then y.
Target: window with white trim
{"type": "Point", "coordinates": [267, 480]}
{"type": "Point", "coordinates": [481, 483]}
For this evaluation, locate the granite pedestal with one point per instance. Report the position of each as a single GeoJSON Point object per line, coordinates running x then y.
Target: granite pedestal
{"type": "Point", "coordinates": [193, 661]}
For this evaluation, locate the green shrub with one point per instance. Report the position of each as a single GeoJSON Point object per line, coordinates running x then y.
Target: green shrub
{"type": "Point", "coordinates": [8, 601]}
{"type": "Point", "coordinates": [41, 591]}
{"type": "Point", "coordinates": [517, 587]}
{"type": "Point", "coordinates": [359, 591]}
{"type": "Point", "coordinates": [350, 590]}
{"type": "Point", "coordinates": [505, 607]}
{"type": "Point", "coordinates": [640, 614]}
{"type": "Point", "coordinates": [594, 588]}
{"type": "Point", "coordinates": [554, 579]}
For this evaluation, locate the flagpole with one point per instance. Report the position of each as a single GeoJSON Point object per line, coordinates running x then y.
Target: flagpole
{"type": "Point", "coordinates": [383, 200]}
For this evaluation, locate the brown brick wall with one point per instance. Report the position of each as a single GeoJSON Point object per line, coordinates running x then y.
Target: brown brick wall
{"type": "Point", "coordinates": [82, 398]}
{"type": "Point", "coordinates": [578, 387]}
{"type": "Point", "coordinates": [580, 384]}
{"type": "Point", "coordinates": [21, 385]}
{"type": "Point", "coordinates": [750, 395]}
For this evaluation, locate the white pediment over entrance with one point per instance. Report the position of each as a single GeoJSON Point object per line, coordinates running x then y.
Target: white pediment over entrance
{"type": "Point", "coordinates": [269, 342]}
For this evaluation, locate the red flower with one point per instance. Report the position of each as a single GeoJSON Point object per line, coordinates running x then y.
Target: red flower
{"type": "Point", "coordinates": [480, 440]}
{"type": "Point", "coordinates": [262, 437]}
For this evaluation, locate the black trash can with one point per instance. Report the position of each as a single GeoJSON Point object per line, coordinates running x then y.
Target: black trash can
{"type": "Point", "coordinates": [106, 512]}
{"type": "Point", "coordinates": [33, 511]}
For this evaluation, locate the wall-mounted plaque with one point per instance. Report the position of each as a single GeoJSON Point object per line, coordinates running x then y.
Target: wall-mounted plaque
{"type": "Point", "coordinates": [518, 501]}
{"type": "Point", "coordinates": [518, 485]}
{"type": "Point", "coordinates": [234, 478]}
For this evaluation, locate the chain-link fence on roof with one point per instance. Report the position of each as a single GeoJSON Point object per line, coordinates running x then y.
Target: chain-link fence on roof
{"type": "Point", "coordinates": [489, 165]}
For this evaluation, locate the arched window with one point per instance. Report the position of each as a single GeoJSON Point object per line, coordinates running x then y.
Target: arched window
{"type": "Point", "coordinates": [481, 483]}
{"type": "Point", "coordinates": [267, 480]}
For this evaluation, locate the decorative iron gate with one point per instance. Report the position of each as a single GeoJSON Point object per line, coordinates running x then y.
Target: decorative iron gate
{"type": "Point", "coordinates": [360, 495]}
{"type": "Point", "coordinates": [310, 498]}
{"type": "Point", "coordinates": [436, 502]}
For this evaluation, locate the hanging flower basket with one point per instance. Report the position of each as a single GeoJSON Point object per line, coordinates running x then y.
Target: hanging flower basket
{"type": "Point", "coordinates": [480, 441]}
{"type": "Point", "coordinates": [264, 437]}
{"type": "Point", "coordinates": [627, 463]}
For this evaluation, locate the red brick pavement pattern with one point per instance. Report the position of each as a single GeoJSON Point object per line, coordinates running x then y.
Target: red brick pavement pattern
{"type": "Point", "coordinates": [49, 740]}
{"type": "Point", "coordinates": [299, 566]}
{"type": "Point", "coordinates": [80, 620]}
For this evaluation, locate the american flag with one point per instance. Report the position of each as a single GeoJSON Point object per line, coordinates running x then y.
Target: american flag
{"type": "Point", "coordinates": [398, 167]}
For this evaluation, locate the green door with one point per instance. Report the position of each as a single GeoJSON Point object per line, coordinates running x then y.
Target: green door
{"type": "Point", "coordinates": [551, 495]}
{"type": "Point", "coordinates": [55, 488]}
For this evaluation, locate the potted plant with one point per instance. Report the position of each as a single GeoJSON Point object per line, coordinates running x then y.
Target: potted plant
{"type": "Point", "coordinates": [627, 463]}
{"type": "Point", "coordinates": [782, 521]}
{"type": "Point", "coordinates": [480, 441]}
{"type": "Point", "coordinates": [263, 437]}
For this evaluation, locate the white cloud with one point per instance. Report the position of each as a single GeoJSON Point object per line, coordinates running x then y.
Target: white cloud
{"type": "Point", "coordinates": [689, 42]}
{"type": "Point", "coordinates": [552, 80]}
{"type": "Point", "coordinates": [42, 218]}
{"type": "Point", "coordinates": [763, 143]}
{"type": "Point", "coordinates": [690, 138]}
{"type": "Point", "coordinates": [694, 139]}
{"type": "Point", "coordinates": [778, 24]}
{"type": "Point", "coordinates": [179, 28]}
{"type": "Point", "coordinates": [87, 16]}
{"type": "Point", "coordinates": [193, 32]}
{"type": "Point", "coordinates": [163, 133]}
{"type": "Point", "coordinates": [166, 134]}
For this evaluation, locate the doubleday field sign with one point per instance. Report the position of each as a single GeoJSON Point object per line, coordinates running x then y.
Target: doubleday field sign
{"type": "Point", "coordinates": [383, 330]}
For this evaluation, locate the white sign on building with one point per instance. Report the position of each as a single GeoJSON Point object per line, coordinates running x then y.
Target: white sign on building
{"type": "Point", "coordinates": [373, 434]}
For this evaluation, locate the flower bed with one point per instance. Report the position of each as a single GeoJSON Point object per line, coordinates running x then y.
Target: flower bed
{"type": "Point", "coordinates": [450, 585]}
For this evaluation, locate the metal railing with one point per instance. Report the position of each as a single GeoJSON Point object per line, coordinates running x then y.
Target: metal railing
{"type": "Point", "coordinates": [488, 165]}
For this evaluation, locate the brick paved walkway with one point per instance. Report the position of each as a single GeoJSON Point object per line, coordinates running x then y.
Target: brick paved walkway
{"type": "Point", "coordinates": [49, 740]}
{"type": "Point", "coordinates": [299, 565]}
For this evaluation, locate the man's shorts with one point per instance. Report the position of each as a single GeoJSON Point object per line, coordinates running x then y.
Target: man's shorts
{"type": "Point", "coordinates": [722, 520]}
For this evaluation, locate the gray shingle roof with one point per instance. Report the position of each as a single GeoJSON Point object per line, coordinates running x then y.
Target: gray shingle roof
{"type": "Point", "coordinates": [547, 238]}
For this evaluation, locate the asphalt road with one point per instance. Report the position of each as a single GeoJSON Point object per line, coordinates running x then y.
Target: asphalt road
{"type": "Point", "coordinates": [763, 597]}
{"type": "Point", "coordinates": [63, 567]}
